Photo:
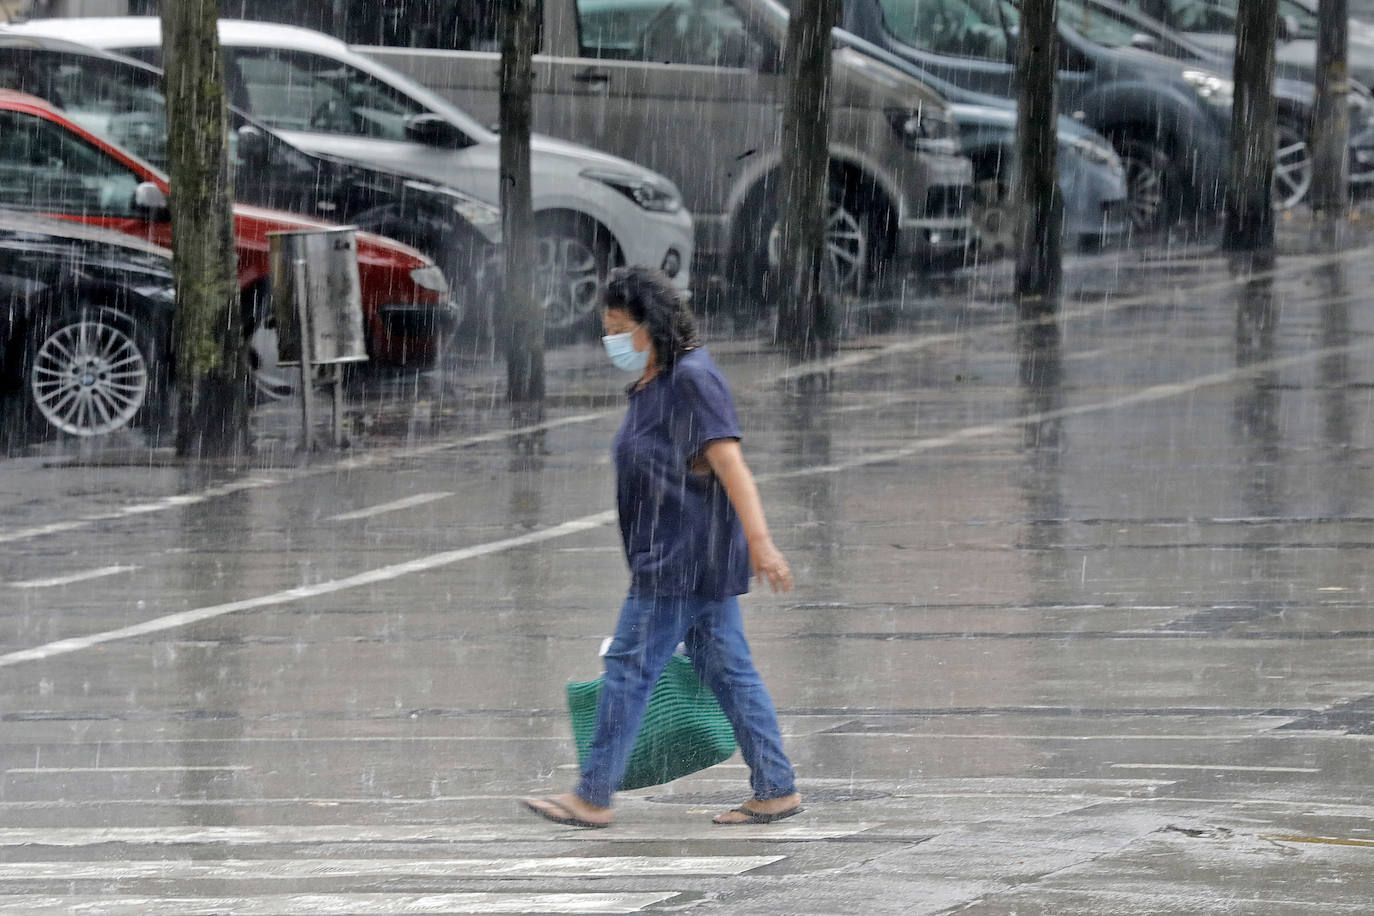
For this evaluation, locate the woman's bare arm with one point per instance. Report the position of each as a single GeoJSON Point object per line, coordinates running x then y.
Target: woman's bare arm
{"type": "Point", "coordinates": [727, 461]}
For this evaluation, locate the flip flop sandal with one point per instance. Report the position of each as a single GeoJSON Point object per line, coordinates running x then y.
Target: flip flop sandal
{"type": "Point", "coordinates": [757, 817]}
{"type": "Point", "coordinates": [567, 819]}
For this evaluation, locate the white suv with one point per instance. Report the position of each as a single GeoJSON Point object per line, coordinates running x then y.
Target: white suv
{"type": "Point", "coordinates": [591, 209]}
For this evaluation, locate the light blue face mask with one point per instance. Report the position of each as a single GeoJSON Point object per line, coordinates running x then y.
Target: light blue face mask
{"type": "Point", "coordinates": [621, 349]}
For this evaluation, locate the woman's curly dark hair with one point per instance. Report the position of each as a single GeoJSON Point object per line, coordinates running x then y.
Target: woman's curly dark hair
{"type": "Point", "coordinates": [649, 297]}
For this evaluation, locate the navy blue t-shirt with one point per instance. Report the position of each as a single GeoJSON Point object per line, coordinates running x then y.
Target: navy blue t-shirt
{"type": "Point", "coordinates": [681, 535]}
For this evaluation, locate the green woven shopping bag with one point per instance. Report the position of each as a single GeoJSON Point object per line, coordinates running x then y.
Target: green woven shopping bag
{"type": "Point", "coordinates": [684, 729]}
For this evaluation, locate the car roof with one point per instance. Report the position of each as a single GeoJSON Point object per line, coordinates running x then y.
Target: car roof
{"type": "Point", "coordinates": [143, 31]}
{"type": "Point", "coordinates": [12, 98]}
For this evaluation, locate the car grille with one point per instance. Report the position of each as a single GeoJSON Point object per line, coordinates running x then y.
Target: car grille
{"type": "Point", "coordinates": [948, 200]}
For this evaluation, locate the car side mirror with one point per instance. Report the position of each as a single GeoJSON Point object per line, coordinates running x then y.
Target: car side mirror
{"type": "Point", "coordinates": [150, 197]}
{"type": "Point", "coordinates": [1144, 41]}
{"type": "Point", "coordinates": [253, 149]}
{"type": "Point", "coordinates": [435, 130]}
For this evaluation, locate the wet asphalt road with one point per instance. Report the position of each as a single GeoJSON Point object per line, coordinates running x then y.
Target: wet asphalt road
{"type": "Point", "coordinates": [1082, 626]}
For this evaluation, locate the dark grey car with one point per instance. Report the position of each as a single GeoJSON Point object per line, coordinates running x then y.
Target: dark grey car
{"type": "Point", "coordinates": [85, 324]}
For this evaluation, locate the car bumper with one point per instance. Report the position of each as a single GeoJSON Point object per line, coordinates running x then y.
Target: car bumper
{"type": "Point", "coordinates": [662, 240]}
{"type": "Point", "coordinates": [1362, 156]}
{"type": "Point", "coordinates": [409, 333]}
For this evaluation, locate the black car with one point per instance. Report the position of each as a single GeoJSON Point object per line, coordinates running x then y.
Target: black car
{"type": "Point", "coordinates": [121, 99]}
{"type": "Point", "coordinates": [85, 325]}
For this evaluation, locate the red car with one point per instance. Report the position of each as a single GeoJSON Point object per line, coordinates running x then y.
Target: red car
{"type": "Point", "coordinates": [52, 166]}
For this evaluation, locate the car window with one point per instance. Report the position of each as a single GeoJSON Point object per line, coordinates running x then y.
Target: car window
{"type": "Point", "coordinates": [1098, 25]}
{"type": "Point", "coordinates": [121, 104]}
{"type": "Point", "coordinates": [708, 33]}
{"type": "Point", "coordinates": [961, 28]}
{"type": "Point", "coordinates": [295, 90]}
{"type": "Point", "coordinates": [45, 167]}
{"type": "Point", "coordinates": [448, 25]}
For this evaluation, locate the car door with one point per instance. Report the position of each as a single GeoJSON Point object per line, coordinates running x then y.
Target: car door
{"type": "Point", "coordinates": [46, 168]}
{"type": "Point", "coordinates": [688, 88]}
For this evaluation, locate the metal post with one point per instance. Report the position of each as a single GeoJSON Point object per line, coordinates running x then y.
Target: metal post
{"type": "Point", "coordinates": [336, 380]}
{"type": "Point", "coordinates": [307, 357]}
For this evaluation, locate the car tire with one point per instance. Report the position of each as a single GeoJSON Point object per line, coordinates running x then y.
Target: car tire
{"type": "Point", "coordinates": [92, 370]}
{"type": "Point", "coordinates": [1292, 166]}
{"type": "Point", "coordinates": [851, 234]}
{"type": "Point", "coordinates": [572, 259]}
{"type": "Point", "coordinates": [1154, 193]}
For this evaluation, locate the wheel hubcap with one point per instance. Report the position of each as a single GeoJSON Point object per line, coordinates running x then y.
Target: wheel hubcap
{"type": "Point", "coordinates": [1292, 169]}
{"type": "Point", "coordinates": [88, 378]}
{"type": "Point", "coordinates": [846, 250]}
{"type": "Point", "coordinates": [1145, 191]}
{"type": "Point", "coordinates": [567, 281]}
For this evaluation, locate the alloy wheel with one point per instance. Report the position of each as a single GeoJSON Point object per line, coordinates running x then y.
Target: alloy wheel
{"type": "Point", "coordinates": [846, 250]}
{"type": "Point", "coordinates": [88, 377]}
{"type": "Point", "coordinates": [1145, 187]}
{"type": "Point", "coordinates": [567, 279]}
{"type": "Point", "coordinates": [1292, 168]}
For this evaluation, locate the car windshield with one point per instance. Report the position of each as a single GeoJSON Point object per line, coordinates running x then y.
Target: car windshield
{"type": "Point", "coordinates": [1219, 16]}
{"type": "Point", "coordinates": [1098, 25]}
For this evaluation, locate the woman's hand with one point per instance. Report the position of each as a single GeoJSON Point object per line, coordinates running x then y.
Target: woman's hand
{"type": "Point", "coordinates": [769, 564]}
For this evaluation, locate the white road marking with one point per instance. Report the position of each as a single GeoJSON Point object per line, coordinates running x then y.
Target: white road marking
{"type": "Point", "coordinates": [158, 505]}
{"type": "Point", "coordinates": [43, 771]}
{"type": "Point", "coordinates": [332, 904]}
{"type": "Point", "coordinates": [599, 519]}
{"type": "Point", "coordinates": [529, 830]}
{"type": "Point", "coordinates": [382, 574]}
{"type": "Point", "coordinates": [73, 577]}
{"type": "Point", "coordinates": [1212, 766]}
{"type": "Point", "coordinates": [418, 499]}
{"type": "Point", "coordinates": [304, 869]}
{"type": "Point", "coordinates": [383, 457]}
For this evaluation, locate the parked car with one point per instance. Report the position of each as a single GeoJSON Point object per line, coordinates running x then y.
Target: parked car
{"type": "Point", "coordinates": [121, 99]}
{"type": "Point", "coordinates": [51, 165]}
{"type": "Point", "coordinates": [85, 324]}
{"type": "Point", "coordinates": [693, 90]}
{"type": "Point", "coordinates": [1293, 90]}
{"type": "Point", "coordinates": [591, 209]}
{"type": "Point", "coordinates": [1091, 176]}
{"type": "Point", "coordinates": [1212, 24]}
{"type": "Point", "coordinates": [1169, 118]}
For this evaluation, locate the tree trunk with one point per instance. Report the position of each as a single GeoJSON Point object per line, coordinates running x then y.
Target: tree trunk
{"type": "Point", "coordinates": [1249, 185]}
{"type": "Point", "coordinates": [212, 376]}
{"type": "Point", "coordinates": [805, 324]}
{"type": "Point", "coordinates": [1331, 113]}
{"type": "Point", "coordinates": [1039, 206]}
{"type": "Point", "coordinates": [525, 326]}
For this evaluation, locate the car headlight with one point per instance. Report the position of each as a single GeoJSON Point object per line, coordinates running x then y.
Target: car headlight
{"type": "Point", "coordinates": [1098, 154]}
{"type": "Point", "coordinates": [925, 129]}
{"type": "Point", "coordinates": [651, 195]}
{"type": "Point", "coordinates": [430, 277]}
{"type": "Point", "coordinates": [1217, 90]}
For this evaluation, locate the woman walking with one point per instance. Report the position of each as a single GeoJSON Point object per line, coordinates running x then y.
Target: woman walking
{"type": "Point", "coordinates": [692, 526]}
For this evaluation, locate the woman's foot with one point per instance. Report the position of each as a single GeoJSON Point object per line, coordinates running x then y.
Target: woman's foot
{"type": "Point", "coordinates": [762, 811]}
{"type": "Point", "coordinates": [569, 809]}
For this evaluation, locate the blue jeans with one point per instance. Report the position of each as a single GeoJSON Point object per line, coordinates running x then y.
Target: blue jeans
{"type": "Point", "coordinates": [649, 630]}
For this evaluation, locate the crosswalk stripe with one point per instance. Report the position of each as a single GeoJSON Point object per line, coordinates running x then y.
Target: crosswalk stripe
{"type": "Point", "coordinates": [300, 869]}
{"type": "Point", "coordinates": [332, 904]}
{"type": "Point", "coordinates": [290, 835]}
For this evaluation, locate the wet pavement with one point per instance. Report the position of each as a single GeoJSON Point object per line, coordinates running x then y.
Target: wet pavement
{"type": "Point", "coordinates": [1082, 626]}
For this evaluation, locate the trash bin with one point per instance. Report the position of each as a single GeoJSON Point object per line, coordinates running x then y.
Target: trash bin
{"type": "Point", "coordinates": [321, 265]}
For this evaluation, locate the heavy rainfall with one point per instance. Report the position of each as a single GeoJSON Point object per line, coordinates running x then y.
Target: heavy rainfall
{"type": "Point", "coordinates": [1044, 326]}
